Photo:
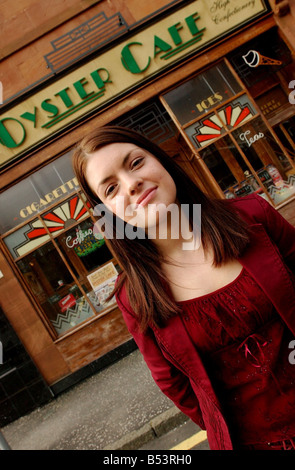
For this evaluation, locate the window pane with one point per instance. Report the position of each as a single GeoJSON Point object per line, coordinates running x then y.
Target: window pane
{"type": "Point", "coordinates": [219, 157]}
{"type": "Point", "coordinates": [86, 253]}
{"type": "Point", "coordinates": [273, 100]}
{"type": "Point", "coordinates": [229, 168]}
{"type": "Point", "coordinates": [32, 195]}
{"type": "Point", "coordinates": [203, 92]}
{"type": "Point", "coordinates": [27, 238]}
{"type": "Point", "coordinates": [267, 159]}
{"type": "Point", "coordinates": [55, 289]}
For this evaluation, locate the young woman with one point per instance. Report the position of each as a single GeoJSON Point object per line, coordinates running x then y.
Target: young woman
{"type": "Point", "coordinates": [215, 322]}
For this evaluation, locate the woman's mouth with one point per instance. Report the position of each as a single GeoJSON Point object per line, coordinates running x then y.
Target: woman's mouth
{"type": "Point", "coordinates": [145, 198]}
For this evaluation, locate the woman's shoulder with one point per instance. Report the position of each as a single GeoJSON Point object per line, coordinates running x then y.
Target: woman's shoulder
{"type": "Point", "coordinates": [252, 208]}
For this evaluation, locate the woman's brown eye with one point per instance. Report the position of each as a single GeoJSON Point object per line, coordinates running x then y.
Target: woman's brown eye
{"type": "Point", "coordinates": [110, 189]}
{"type": "Point", "coordinates": [137, 162]}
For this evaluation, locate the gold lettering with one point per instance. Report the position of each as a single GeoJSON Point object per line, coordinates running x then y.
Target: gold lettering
{"type": "Point", "coordinates": [35, 206]}
{"type": "Point", "coordinates": [63, 189]}
{"type": "Point", "coordinates": [209, 102]}
{"type": "Point", "coordinates": [70, 185]}
{"type": "Point", "coordinates": [25, 212]}
{"type": "Point", "coordinates": [218, 96]}
{"type": "Point", "coordinates": [43, 202]}
{"type": "Point", "coordinates": [58, 192]}
{"type": "Point", "coordinates": [49, 197]}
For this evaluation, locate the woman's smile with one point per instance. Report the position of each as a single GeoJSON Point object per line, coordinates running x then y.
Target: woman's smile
{"type": "Point", "coordinates": [146, 197]}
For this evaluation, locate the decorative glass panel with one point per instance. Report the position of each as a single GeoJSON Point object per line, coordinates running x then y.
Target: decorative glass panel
{"type": "Point", "coordinates": [205, 131]}
{"type": "Point", "coordinates": [236, 112]}
{"type": "Point", "coordinates": [66, 214]}
{"type": "Point", "coordinates": [27, 238]}
{"type": "Point", "coordinates": [211, 127]}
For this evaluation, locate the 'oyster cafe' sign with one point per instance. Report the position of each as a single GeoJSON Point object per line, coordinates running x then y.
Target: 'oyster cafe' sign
{"type": "Point", "coordinates": [119, 69]}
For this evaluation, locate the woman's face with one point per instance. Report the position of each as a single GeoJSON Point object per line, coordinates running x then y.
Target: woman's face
{"type": "Point", "coordinates": [131, 182]}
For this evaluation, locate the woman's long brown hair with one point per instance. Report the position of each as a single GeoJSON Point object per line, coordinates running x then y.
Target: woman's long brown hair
{"type": "Point", "coordinates": [221, 228]}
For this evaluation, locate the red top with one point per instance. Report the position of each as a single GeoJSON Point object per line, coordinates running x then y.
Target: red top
{"type": "Point", "coordinates": [244, 345]}
{"type": "Point", "coordinates": [174, 361]}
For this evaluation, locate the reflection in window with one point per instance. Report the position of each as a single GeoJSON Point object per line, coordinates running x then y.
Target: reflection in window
{"type": "Point", "coordinates": [267, 158]}
{"type": "Point", "coordinates": [219, 157]}
{"type": "Point", "coordinates": [286, 133]}
{"type": "Point", "coordinates": [86, 252]}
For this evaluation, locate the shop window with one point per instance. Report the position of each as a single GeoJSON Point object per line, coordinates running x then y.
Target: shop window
{"type": "Point", "coordinates": [35, 193]}
{"type": "Point", "coordinates": [85, 252]}
{"type": "Point", "coordinates": [267, 81]}
{"type": "Point", "coordinates": [58, 273]}
{"type": "Point", "coordinates": [90, 251]}
{"type": "Point", "coordinates": [54, 287]}
{"type": "Point", "coordinates": [272, 101]}
{"type": "Point", "coordinates": [285, 130]}
{"type": "Point", "coordinates": [267, 158]}
{"type": "Point", "coordinates": [68, 268]}
{"type": "Point", "coordinates": [151, 120]}
{"type": "Point", "coordinates": [233, 140]}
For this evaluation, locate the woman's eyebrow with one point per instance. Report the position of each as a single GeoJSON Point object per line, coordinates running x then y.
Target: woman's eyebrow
{"type": "Point", "coordinates": [107, 178]}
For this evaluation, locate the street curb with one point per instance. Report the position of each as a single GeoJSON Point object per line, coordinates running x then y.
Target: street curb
{"type": "Point", "coordinates": [158, 426]}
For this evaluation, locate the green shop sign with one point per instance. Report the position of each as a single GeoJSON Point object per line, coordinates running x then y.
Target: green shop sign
{"type": "Point", "coordinates": [119, 69]}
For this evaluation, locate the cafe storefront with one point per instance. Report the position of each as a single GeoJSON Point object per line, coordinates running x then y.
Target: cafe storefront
{"type": "Point", "coordinates": [213, 84]}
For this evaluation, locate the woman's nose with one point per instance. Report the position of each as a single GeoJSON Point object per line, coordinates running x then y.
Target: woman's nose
{"type": "Point", "coordinates": [134, 185]}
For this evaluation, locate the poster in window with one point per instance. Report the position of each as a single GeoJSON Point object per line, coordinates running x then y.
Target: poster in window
{"type": "Point", "coordinates": [103, 282]}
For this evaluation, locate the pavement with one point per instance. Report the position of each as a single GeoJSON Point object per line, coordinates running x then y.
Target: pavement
{"type": "Point", "coordinates": [117, 408]}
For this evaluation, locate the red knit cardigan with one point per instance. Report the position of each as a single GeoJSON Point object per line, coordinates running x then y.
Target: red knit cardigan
{"type": "Point", "coordinates": [169, 353]}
